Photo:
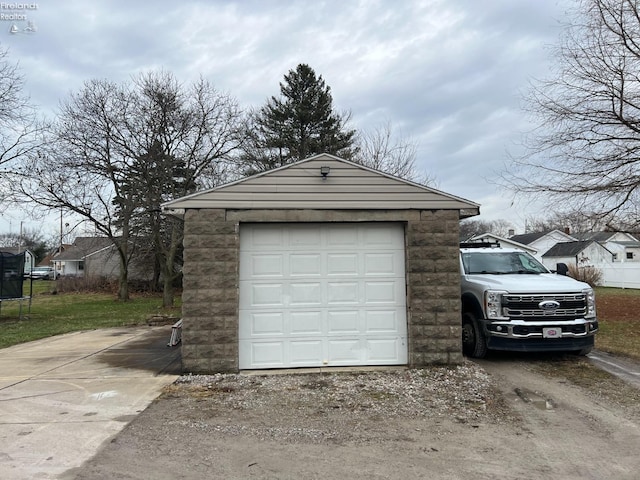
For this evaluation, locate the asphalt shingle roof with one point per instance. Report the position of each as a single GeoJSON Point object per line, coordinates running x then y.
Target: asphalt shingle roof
{"type": "Point", "coordinates": [567, 249]}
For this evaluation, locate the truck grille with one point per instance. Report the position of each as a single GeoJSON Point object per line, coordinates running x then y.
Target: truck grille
{"type": "Point", "coordinates": [526, 307]}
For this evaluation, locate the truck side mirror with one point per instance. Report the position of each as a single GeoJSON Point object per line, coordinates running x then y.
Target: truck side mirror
{"type": "Point", "coordinates": [562, 269]}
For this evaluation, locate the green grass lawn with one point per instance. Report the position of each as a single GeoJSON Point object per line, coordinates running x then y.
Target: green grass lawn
{"type": "Point", "coordinates": [62, 313]}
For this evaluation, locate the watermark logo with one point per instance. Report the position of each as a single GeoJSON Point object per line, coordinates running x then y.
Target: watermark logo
{"type": "Point", "coordinates": [19, 14]}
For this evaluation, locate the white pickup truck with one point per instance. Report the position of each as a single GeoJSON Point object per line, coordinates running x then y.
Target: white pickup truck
{"type": "Point", "coordinates": [510, 301]}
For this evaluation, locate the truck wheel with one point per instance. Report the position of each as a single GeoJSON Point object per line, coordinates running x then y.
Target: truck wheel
{"type": "Point", "coordinates": [473, 340]}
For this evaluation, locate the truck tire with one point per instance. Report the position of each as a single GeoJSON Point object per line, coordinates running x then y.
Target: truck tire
{"type": "Point", "coordinates": [474, 343]}
{"type": "Point", "coordinates": [583, 352]}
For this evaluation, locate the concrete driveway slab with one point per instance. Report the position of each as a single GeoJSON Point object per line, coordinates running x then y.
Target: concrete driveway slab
{"type": "Point", "coordinates": [62, 397]}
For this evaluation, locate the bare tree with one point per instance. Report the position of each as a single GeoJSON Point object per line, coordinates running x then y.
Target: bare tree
{"type": "Point", "coordinates": [30, 239]}
{"type": "Point", "coordinates": [186, 142]}
{"type": "Point", "coordinates": [585, 151]}
{"type": "Point", "coordinates": [19, 126]}
{"type": "Point", "coordinates": [118, 151]}
{"type": "Point", "coordinates": [573, 222]}
{"type": "Point", "coordinates": [472, 227]}
{"type": "Point", "coordinates": [382, 150]}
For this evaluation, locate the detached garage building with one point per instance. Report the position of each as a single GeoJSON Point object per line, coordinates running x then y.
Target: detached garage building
{"type": "Point", "coordinates": [320, 263]}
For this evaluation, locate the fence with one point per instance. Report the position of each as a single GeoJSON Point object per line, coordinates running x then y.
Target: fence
{"type": "Point", "coordinates": [620, 275]}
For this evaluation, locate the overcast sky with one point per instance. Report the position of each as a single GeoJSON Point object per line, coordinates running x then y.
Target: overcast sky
{"type": "Point", "coordinates": [449, 74]}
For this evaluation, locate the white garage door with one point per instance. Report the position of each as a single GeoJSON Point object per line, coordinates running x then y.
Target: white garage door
{"type": "Point", "coordinates": [322, 294]}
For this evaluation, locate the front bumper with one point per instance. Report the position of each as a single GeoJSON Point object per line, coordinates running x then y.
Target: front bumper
{"type": "Point", "coordinates": [540, 344]}
{"type": "Point", "coordinates": [533, 330]}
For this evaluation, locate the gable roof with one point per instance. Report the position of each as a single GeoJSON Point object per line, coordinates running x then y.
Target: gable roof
{"type": "Point", "coordinates": [569, 249]}
{"type": "Point", "coordinates": [597, 236]}
{"type": "Point", "coordinates": [347, 186]}
{"type": "Point", "coordinates": [83, 247]}
{"type": "Point", "coordinates": [504, 242]}
{"type": "Point", "coordinates": [527, 238]}
{"type": "Point", "coordinates": [602, 237]}
{"type": "Point", "coordinates": [16, 250]}
{"type": "Point", "coordinates": [628, 244]}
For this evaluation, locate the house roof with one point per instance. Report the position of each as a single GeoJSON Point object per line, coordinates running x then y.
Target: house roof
{"type": "Point", "coordinates": [568, 249]}
{"type": "Point", "coordinates": [348, 185]}
{"type": "Point", "coordinates": [527, 238]}
{"type": "Point", "coordinates": [603, 237]}
{"type": "Point", "coordinates": [597, 236]}
{"type": "Point", "coordinates": [490, 237]}
{"type": "Point", "coordinates": [628, 244]}
{"type": "Point", "coordinates": [83, 247]}
{"type": "Point", "coordinates": [15, 250]}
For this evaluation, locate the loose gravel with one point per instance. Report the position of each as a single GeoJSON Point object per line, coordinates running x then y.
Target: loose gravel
{"type": "Point", "coordinates": [337, 407]}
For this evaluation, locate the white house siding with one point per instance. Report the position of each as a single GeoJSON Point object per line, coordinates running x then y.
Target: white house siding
{"type": "Point", "coordinates": [544, 243]}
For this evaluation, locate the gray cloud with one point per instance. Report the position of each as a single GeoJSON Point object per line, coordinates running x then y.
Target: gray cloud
{"type": "Point", "coordinates": [447, 73]}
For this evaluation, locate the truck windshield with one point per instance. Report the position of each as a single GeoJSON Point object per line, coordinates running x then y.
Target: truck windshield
{"type": "Point", "coordinates": [501, 263]}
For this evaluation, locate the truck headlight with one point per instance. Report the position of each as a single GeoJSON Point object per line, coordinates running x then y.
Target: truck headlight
{"type": "Point", "coordinates": [493, 304]}
{"type": "Point", "coordinates": [590, 297]}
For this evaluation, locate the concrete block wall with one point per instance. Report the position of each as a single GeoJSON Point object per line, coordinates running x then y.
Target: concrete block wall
{"type": "Point", "coordinates": [210, 297]}
{"type": "Point", "coordinates": [433, 288]}
{"type": "Point", "coordinates": [211, 277]}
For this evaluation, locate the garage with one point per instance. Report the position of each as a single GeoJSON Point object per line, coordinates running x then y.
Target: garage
{"type": "Point", "coordinates": [320, 263]}
{"type": "Point", "coordinates": [314, 295]}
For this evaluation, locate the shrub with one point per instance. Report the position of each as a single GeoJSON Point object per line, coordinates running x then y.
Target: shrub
{"type": "Point", "coordinates": [589, 274]}
{"type": "Point", "coordinates": [67, 284]}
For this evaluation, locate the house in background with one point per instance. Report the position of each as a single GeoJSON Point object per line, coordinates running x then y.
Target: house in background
{"type": "Point", "coordinates": [87, 256]}
{"type": "Point", "coordinates": [541, 242]}
{"type": "Point", "coordinates": [624, 246]}
{"type": "Point", "coordinates": [29, 257]}
{"type": "Point", "coordinates": [585, 253]}
{"type": "Point", "coordinates": [97, 257]}
{"type": "Point", "coordinates": [503, 242]}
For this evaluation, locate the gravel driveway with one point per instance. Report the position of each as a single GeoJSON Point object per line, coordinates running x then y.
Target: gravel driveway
{"type": "Point", "coordinates": [465, 422]}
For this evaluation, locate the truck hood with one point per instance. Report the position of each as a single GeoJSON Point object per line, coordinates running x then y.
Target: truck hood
{"type": "Point", "coordinates": [527, 283]}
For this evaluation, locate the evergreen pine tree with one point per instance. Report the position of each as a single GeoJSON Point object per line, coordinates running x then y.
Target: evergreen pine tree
{"type": "Point", "coordinates": [298, 124]}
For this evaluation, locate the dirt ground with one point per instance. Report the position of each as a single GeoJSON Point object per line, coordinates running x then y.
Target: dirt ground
{"type": "Point", "coordinates": [505, 417]}
{"type": "Point", "coordinates": [618, 307]}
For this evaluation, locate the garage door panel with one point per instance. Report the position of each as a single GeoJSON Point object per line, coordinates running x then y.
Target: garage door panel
{"type": "Point", "coordinates": [384, 350]}
{"type": "Point", "coordinates": [306, 352]}
{"type": "Point", "coordinates": [305, 294]}
{"type": "Point", "coordinates": [381, 236]}
{"type": "Point", "coordinates": [322, 295]}
{"type": "Point", "coordinates": [262, 238]}
{"type": "Point", "coordinates": [263, 294]}
{"type": "Point", "coordinates": [340, 236]}
{"type": "Point", "coordinates": [341, 264]}
{"type": "Point", "coordinates": [341, 322]}
{"type": "Point", "coordinates": [305, 265]}
{"type": "Point", "coordinates": [264, 324]}
{"type": "Point", "coordinates": [381, 321]}
{"type": "Point", "coordinates": [346, 351]}
{"type": "Point", "coordinates": [381, 263]}
{"type": "Point", "coordinates": [265, 265]}
{"type": "Point", "coordinates": [267, 354]}
{"type": "Point", "coordinates": [305, 237]}
{"type": "Point", "coordinates": [341, 293]}
{"type": "Point", "coordinates": [377, 292]}
{"type": "Point", "coordinates": [305, 323]}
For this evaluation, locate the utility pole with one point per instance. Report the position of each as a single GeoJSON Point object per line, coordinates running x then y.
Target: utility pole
{"type": "Point", "coordinates": [20, 239]}
{"type": "Point", "coordinates": [60, 250]}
